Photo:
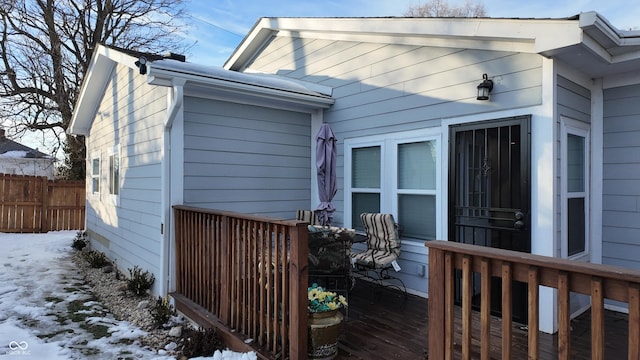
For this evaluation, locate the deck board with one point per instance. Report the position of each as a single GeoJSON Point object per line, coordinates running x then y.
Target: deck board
{"type": "Point", "coordinates": [386, 326]}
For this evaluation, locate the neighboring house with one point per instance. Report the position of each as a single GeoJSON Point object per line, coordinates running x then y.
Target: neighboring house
{"type": "Point", "coordinates": [549, 164]}
{"type": "Point", "coordinates": [18, 159]}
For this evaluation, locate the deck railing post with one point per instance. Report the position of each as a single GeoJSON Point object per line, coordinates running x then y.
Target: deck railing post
{"type": "Point", "coordinates": [634, 321]}
{"type": "Point", "coordinates": [485, 309]}
{"type": "Point", "coordinates": [225, 266]}
{"type": "Point", "coordinates": [507, 311]}
{"type": "Point", "coordinates": [534, 306]}
{"type": "Point", "coordinates": [597, 318]}
{"type": "Point", "coordinates": [298, 278]}
{"type": "Point", "coordinates": [564, 316]}
{"type": "Point", "coordinates": [436, 305]}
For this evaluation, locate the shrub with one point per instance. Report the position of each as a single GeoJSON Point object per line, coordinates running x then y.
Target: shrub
{"type": "Point", "coordinates": [162, 311]}
{"type": "Point", "coordinates": [80, 241]}
{"type": "Point", "coordinates": [139, 281]}
{"type": "Point", "coordinates": [96, 259]}
{"type": "Point", "coordinates": [203, 342]}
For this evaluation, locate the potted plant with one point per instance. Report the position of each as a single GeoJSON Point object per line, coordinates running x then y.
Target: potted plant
{"type": "Point", "coordinates": [325, 322]}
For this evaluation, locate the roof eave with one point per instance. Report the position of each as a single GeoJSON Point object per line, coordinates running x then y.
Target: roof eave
{"type": "Point", "coordinates": [612, 44]}
{"type": "Point", "coordinates": [255, 39]}
{"type": "Point", "coordinates": [102, 65]}
{"type": "Point", "coordinates": [220, 86]}
{"type": "Point", "coordinates": [524, 35]}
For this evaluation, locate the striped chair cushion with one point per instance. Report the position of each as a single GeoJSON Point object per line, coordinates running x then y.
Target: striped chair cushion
{"type": "Point", "coordinates": [383, 242]}
{"type": "Point", "coordinates": [307, 216]}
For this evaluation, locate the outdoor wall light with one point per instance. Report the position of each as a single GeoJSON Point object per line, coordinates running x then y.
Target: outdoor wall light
{"type": "Point", "coordinates": [142, 65]}
{"type": "Point", "coordinates": [484, 88]}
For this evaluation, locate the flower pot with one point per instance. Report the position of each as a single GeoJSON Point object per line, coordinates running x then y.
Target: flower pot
{"type": "Point", "coordinates": [324, 329]}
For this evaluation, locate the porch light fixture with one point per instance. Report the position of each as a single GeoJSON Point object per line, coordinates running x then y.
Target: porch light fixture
{"type": "Point", "coordinates": [484, 88]}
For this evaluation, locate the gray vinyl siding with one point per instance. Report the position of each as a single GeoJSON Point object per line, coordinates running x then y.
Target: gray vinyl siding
{"type": "Point", "coordinates": [574, 101]}
{"type": "Point", "coordinates": [382, 88]}
{"type": "Point", "coordinates": [129, 231]}
{"type": "Point", "coordinates": [621, 177]}
{"type": "Point", "coordinates": [245, 158]}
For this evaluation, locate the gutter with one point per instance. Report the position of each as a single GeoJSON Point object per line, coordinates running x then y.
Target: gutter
{"type": "Point", "coordinates": [610, 43]}
{"type": "Point", "coordinates": [162, 77]}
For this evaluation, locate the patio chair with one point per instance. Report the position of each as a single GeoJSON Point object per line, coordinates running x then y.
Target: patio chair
{"type": "Point", "coordinates": [308, 216]}
{"type": "Point", "coordinates": [383, 250]}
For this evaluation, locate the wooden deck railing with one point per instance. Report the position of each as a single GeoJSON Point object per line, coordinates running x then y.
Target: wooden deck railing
{"type": "Point", "coordinates": [599, 281]}
{"type": "Point", "coordinates": [250, 273]}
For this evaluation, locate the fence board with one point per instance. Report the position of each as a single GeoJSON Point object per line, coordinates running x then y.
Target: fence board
{"type": "Point", "coordinates": [36, 204]}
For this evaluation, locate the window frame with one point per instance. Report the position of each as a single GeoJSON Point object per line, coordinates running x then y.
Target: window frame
{"type": "Point", "coordinates": [114, 154]}
{"type": "Point", "coordinates": [95, 191]}
{"type": "Point", "coordinates": [580, 129]}
{"type": "Point", "coordinates": [389, 168]}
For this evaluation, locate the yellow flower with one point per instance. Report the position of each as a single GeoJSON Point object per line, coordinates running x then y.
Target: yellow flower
{"type": "Point", "coordinates": [313, 294]}
{"type": "Point", "coordinates": [321, 300]}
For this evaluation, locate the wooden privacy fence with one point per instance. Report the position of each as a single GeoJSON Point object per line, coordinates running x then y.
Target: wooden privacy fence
{"type": "Point", "coordinates": [599, 281]}
{"type": "Point", "coordinates": [36, 204]}
{"type": "Point", "coordinates": [245, 275]}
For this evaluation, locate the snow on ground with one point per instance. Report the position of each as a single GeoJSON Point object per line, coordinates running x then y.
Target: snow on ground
{"type": "Point", "coordinates": [48, 312]}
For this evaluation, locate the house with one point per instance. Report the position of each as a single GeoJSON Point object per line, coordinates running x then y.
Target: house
{"type": "Point", "coordinates": [179, 133]}
{"type": "Point", "coordinates": [19, 159]}
{"type": "Point", "coordinates": [547, 164]}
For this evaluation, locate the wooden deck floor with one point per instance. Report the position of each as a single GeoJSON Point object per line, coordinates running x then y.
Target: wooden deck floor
{"type": "Point", "coordinates": [389, 327]}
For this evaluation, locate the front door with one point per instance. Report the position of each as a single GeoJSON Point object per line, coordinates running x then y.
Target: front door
{"type": "Point", "coordinates": [490, 195]}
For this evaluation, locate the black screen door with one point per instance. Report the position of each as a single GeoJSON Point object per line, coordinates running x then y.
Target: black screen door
{"type": "Point", "coordinates": [490, 195]}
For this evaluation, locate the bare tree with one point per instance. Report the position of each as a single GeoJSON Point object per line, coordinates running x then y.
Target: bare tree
{"type": "Point", "coordinates": [45, 49]}
{"type": "Point", "coordinates": [442, 8]}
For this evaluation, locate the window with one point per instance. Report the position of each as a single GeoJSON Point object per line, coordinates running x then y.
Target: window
{"type": "Point", "coordinates": [114, 171]}
{"type": "Point", "coordinates": [365, 182]}
{"type": "Point", "coordinates": [575, 185]}
{"type": "Point", "coordinates": [416, 188]}
{"type": "Point", "coordinates": [95, 174]}
{"type": "Point", "coordinates": [398, 174]}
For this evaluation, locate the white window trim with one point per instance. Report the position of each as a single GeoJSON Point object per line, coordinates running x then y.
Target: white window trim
{"type": "Point", "coordinates": [388, 183]}
{"type": "Point", "coordinates": [114, 151]}
{"type": "Point", "coordinates": [573, 127]}
{"type": "Point", "coordinates": [95, 156]}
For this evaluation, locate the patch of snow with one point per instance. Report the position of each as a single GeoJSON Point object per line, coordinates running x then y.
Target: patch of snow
{"type": "Point", "coordinates": [14, 154]}
{"type": "Point", "coordinates": [229, 355]}
{"type": "Point", "coordinates": [15, 340]}
{"type": "Point", "coordinates": [38, 282]}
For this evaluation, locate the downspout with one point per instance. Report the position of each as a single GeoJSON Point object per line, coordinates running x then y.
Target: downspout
{"type": "Point", "coordinates": [175, 99]}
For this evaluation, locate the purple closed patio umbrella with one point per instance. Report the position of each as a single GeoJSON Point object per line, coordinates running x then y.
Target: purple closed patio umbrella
{"type": "Point", "coordinates": [326, 166]}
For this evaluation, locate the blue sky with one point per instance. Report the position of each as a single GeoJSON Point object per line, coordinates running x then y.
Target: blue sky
{"type": "Point", "coordinates": [216, 27]}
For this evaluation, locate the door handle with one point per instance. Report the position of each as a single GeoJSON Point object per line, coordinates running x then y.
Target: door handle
{"type": "Point", "coordinates": [519, 223]}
